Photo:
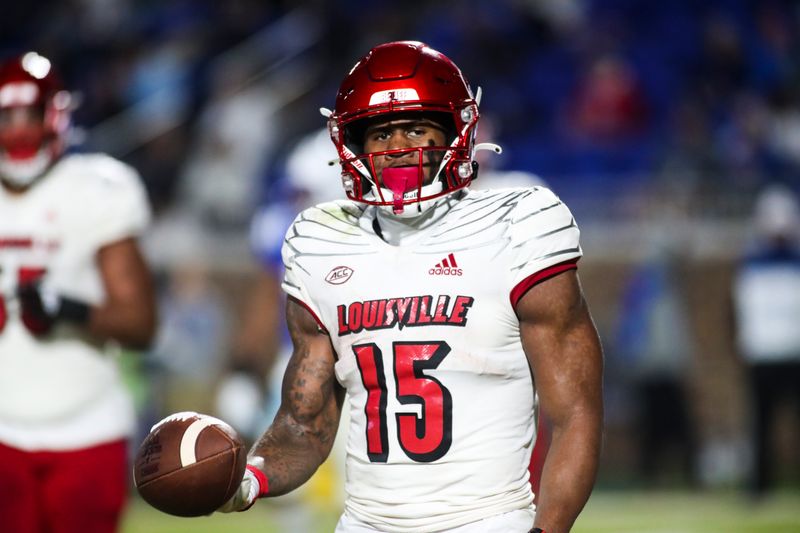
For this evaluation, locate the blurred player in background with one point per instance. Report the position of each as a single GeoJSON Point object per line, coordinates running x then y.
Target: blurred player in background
{"type": "Point", "coordinates": [654, 346]}
{"type": "Point", "coordinates": [442, 312]}
{"type": "Point", "coordinates": [766, 295]}
{"type": "Point", "coordinates": [71, 279]}
{"type": "Point", "coordinates": [248, 396]}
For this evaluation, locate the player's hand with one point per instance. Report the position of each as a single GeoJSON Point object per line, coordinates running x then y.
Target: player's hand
{"type": "Point", "coordinates": [42, 309]}
{"type": "Point", "coordinates": [246, 495]}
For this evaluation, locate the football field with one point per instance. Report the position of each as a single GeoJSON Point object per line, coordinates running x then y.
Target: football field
{"type": "Point", "coordinates": [607, 512]}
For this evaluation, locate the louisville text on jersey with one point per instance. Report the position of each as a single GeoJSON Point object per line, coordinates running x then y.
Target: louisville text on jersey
{"type": "Point", "coordinates": [410, 311]}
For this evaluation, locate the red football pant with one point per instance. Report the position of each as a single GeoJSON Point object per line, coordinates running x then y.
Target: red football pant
{"type": "Point", "coordinates": [79, 491]}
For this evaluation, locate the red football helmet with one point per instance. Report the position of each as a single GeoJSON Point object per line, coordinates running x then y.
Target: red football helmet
{"type": "Point", "coordinates": [403, 77]}
{"type": "Point", "coordinates": [35, 114]}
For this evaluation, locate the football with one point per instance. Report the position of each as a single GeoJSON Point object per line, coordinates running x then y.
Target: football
{"type": "Point", "coordinates": [189, 464]}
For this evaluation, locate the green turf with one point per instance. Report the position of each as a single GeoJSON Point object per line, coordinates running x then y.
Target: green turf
{"type": "Point", "coordinates": [684, 512]}
{"type": "Point", "coordinates": [606, 512]}
{"type": "Point", "coordinates": [264, 517]}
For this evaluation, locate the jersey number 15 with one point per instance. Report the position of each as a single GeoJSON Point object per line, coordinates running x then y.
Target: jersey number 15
{"type": "Point", "coordinates": [424, 438]}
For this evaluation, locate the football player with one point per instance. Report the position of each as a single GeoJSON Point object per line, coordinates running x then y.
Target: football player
{"type": "Point", "coordinates": [441, 311]}
{"type": "Point", "coordinates": [72, 278]}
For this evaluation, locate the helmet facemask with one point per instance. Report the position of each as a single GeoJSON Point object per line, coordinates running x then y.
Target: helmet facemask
{"type": "Point", "coordinates": [406, 179]}
{"type": "Point", "coordinates": [27, 149]}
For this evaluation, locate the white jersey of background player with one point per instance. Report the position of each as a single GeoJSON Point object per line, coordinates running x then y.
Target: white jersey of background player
{"type": "Point", "coordinates": [46, 234]}
{"type": "Point", "coordinates": [71, 277]}
{"type": "Point", "coordinates": [430, 304]}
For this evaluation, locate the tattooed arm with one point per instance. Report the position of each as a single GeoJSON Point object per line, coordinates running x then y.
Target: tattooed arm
{"type": "Point", "coordinates": [301, 436]}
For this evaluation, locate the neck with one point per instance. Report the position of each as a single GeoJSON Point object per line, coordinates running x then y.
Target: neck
{"type": "Point", "coordinates": [398, 231]}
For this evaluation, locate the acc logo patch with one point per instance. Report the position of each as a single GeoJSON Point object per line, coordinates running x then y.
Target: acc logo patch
{"type": "Point", "coordinates": [339, 275]}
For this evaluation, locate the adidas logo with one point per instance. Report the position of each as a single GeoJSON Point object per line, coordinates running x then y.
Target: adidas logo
{"type": "Point", "coordinates": [446, 267]}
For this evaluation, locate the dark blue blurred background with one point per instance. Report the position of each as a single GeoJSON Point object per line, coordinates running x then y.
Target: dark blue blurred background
{"type": "Point", "coordinates": [599, 97]}
{"type": "Point", "coordinates": [659, 123]}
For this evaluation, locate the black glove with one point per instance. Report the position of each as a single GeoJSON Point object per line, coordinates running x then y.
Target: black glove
{"type": "Point", "coordinates": [40, 310]}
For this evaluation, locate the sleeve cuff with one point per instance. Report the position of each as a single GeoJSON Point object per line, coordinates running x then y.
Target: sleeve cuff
{"type": "Point", "coordinates": [313, 314]}
{"type": "Point", "coordinates": [263, 482]}
{"type": "Point", "coordinates": [526, 284]}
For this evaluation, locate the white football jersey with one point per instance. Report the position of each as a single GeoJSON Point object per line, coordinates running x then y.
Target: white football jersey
{"type": "Point", "coordinates": [62, 391]}
{"type": "Point", "coordinates": [428, 347]}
